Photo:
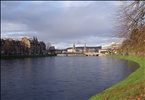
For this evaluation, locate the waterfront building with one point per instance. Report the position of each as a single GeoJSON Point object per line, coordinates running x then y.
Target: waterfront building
{"type": "Point", "coordinates": [51, 50]}
{"type": "Point", "coordinates": [2, 46]}
{"type": "Point", "coordinates": [69, 50]}
{"type": "Point", "coordinates": [83, 49]}
{"type": "Point", "coordinates": [110, 49]}
{"type": "Point", "coordinates": [25, 46]}
{"type": "Point", "coordinates": [18, 47]}
{"type": "Point", "coordinates": [74, 48]}
{"type": "Point", "coordinates": [36, 47]}
{"type": "Point", "coordinates": [114, 47]}
{"type": "Point", "coordinates": [58, 51]}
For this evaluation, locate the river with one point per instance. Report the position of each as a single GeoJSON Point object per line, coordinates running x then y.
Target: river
{"type": "Point", "coordinates": [61, 78]}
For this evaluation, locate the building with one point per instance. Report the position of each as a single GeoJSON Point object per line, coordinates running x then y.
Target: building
{"type": "Point", "coordinates": [36, 47]}
{"type": "Point", "coordinates": [25, 46]}
{"type": "Point", "coordinates": [83, 49]}
{"type": "Point", "coordinates": [2, 46]}
{"type": "Point", "coordinates": [110, 49]}
{"type": "Point", "coordinates": [114, 47]}
{"type": "Point", "coordinates": [18, 47]}
{"type": "Point", "coordinates": [72, 50]}
{"type": "Point", "coordinates": [51, 50]}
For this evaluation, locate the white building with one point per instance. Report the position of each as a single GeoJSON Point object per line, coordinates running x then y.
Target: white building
{"type": "Point", "coordinates": [72, 49]}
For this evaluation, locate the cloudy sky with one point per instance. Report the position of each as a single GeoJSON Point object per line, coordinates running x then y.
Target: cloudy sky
{"type": "Point", "coordinates": [61, 23]}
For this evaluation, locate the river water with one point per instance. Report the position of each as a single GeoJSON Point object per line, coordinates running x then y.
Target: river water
{"type": "Point", "coordinates": [61, 78]}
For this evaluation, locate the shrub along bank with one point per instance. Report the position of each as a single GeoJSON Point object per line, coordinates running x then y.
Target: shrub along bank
{"type": "Point", "coordinates": [132, 88]}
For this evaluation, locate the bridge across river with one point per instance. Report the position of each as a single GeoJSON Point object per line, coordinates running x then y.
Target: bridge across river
{"type": "Point", "coordinates": [91, 54]}
{"type": "Point", "coordinates": [78, 54]}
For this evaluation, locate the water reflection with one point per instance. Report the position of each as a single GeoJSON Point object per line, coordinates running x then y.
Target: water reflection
{"type": "Point", "coordinates": [60, 78]}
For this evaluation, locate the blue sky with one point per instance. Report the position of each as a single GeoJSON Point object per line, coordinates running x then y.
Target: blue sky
{"type": "Point", "coordinates": [61, 23]}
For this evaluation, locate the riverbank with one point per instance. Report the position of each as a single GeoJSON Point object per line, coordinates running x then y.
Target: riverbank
{"type": "Point", "coordinates": [26, 56]}
{"type": "Point", "coordinates": [132, 88]}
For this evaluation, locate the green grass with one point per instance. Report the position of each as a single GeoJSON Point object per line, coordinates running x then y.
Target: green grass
{"type": "Point", "coordinates": [132, 88]}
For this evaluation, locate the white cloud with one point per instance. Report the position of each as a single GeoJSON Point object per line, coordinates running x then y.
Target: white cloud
{"type": "Point", "coordinates": [61, 23]}
{"type": "Point", "coordinates": [8, 26]}
{"type": "Point", "coordinates": [75, 3]}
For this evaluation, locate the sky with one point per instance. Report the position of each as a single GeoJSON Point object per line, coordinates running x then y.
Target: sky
{"type": "Point", "coordinates": [60, 23]}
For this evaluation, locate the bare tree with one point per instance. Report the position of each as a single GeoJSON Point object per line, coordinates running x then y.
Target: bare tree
{"type": "Point", "coordinates": [132, 26]}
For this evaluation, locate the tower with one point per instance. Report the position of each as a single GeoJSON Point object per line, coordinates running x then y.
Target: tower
{"type": "Point", "coordinates": [74, 48]}
{"type": "Point", "coordinates": [85, 48]}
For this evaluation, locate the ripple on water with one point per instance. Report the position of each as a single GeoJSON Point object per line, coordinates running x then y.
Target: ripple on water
{"type": "Point", "coordinates": [61, 78]}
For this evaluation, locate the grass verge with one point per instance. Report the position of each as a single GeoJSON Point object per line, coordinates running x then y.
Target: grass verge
{"type": "Point", "coordinates": [132, 88]}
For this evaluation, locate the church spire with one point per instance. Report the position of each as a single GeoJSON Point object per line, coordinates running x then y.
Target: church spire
{"type": "Point", "coordinates": [74, 48]}
{"type": "Point", "coordinates": [85, 47]}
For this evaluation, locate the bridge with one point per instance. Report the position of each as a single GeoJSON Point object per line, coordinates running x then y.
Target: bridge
{"type": "Point", "coordinates": [70, 54]}
{"type": "Point", "coordinates": [91, 54]}
{"type": "Point", "coordinates": [78, 54]}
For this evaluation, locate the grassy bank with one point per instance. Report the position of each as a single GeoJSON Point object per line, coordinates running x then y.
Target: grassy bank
{"type": "Point", "coordinates": [132, 88]}
{"type": "Point", "coordinates": [25, 56]}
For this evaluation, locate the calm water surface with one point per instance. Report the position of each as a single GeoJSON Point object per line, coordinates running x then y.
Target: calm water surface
{"type": "Point", "coordinates": [61, 78]}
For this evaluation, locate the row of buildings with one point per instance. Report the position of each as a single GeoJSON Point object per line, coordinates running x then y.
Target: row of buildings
{"type": "Point", "coordinates": [79, 49]}
{"type": "Point", "coordinates": [25, 46]}
{"type": "Point", "coordinates": [108, 49]}
{"type": "Point", "coordinates": [83, 49]}
{"type": "Point", "coordinates": [33, 46]}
